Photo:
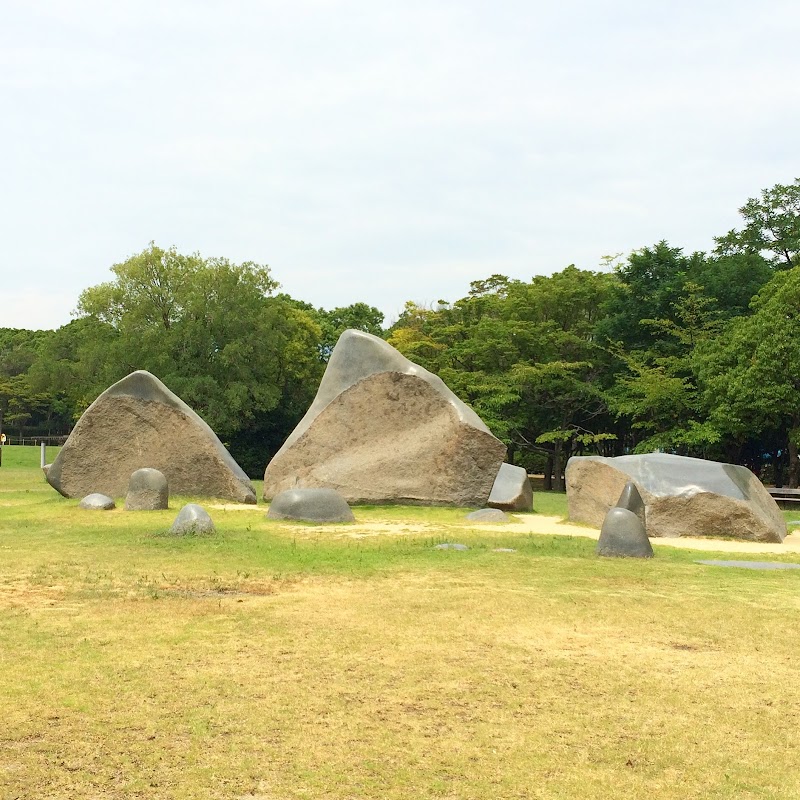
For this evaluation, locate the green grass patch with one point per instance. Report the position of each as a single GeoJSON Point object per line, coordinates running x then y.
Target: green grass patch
{"type": "Point", "coordinates": [274, 660]}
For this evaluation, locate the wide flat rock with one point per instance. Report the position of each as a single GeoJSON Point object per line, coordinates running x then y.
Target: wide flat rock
{"type": "Point", "coordinates": [138, 422]}
{"type": "Point", "coordinates": [384, 430]}
{"type": "Point", "coordinates": [310, 505]}
{"type": "Point", "coordinates": [682, 496]}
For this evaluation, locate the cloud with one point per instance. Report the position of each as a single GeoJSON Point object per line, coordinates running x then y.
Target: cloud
{"type": "Point", "coordinates": [381, 153]}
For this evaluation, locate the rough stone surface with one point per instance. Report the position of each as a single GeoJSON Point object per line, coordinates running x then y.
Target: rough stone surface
{"type": "Point", "coordinates": [310, 505]}
{"type": "Point", "coordinates": [147, 491]}
{"type": "Point", "coordinates": [384, 430]}
{"type": "Point", "coordinates": [488, 515]}
{"type": "Point", "coordinates": [138, 422]}
{"type": "Point", "coordinates": [97, 502]}
{"type": "Point", "coordinates": [632, 500]}
{"type": "Point", "coordinates": [450, 546]}
{"type": "Point", "coordinates": [192, 519]}
{"type": "Point", "coordinates": [512, 490]}
{"type": "Point", "coordinates": [682, 496]}
{"type": "Point", "coordinates": [623, 535]}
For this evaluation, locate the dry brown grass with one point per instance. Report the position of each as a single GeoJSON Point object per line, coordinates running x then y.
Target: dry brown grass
{"type": "Point", "coordinates": [271, 662]}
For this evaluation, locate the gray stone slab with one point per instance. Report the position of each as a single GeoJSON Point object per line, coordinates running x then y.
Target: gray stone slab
{"type": "Point", "coordinates": [192, 519]}
{"type": "Point", "coordinates": [512, 490]}
{"type": "Point", "coordinates": [488, 515]}
{"type": "Point", "coordinates": [623, 536]}
{"type": "Point", "coordinates": [147, 491]}
{"type": "Point", "coordinates": [450, 546]}
{"type": "Point", "coordinates": [97, 502]}
{"type": "Point", "coordinates": [310, 505]}
{"type": "Point", "coordinates": [750, 564]}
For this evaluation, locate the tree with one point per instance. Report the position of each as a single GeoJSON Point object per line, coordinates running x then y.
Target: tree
{"type": "Point", "coordinates": [772, 226]}
{"type": "Point", "coordinates": [750, 375]}
{"type": "Point", "coordinates": [210, 330]}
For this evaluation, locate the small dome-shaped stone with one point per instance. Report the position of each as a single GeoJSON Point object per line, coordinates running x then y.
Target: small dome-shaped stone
{"type": "Point", "coordinates": [192, 519]}
{"type": "Point", "coordinates": [97, 502]}
{"type": "Point", "coordinates": [147, 491]}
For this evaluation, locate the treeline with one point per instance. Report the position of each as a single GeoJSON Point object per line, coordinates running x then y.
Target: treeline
{"type": "Point", "coordinates": [697, 354]}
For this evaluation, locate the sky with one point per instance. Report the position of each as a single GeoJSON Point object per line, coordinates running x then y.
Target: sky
{"type": "Point", "coordinates": [381, 152]}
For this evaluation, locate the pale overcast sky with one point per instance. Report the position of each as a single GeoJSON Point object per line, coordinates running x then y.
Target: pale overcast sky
{"type": "Point", "coordinates": [380, 152]}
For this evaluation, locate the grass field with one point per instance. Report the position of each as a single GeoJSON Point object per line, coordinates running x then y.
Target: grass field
{"type": "Point", "coordinates": [274, 660]}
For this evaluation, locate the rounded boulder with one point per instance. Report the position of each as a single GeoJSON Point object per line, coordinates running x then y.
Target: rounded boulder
{"type": "Point", "coordinates": [97, 502]}
{"type": "Point", "coordinates": [310, 505]}
{"type": "Point", "coordinates": [147, 491]}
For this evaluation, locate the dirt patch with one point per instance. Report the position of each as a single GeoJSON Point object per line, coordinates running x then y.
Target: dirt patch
{"type": "Point", "coordinates": [547, 526]}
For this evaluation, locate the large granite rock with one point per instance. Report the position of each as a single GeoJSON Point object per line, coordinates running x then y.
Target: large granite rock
{"type": "Point", "coordinates": [512, 490]}
{"type": "Point", "coordinates": [147, 491]}
{"type": "Point", "coordinates": [623, 536]}
{"type": "Point", "coordinates": [138, 422]}
{"type": "Point", "coordinates": [682, 496]}
{"type": "Point", "coordinates": [310, 505]}
{"type": "Point", "coordinates": [384, 430]}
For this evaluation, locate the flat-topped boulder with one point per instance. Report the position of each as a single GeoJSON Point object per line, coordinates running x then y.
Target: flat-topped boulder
{"type": "Point", "coordinates": [512, 490]}
{"type": "Point", "coordinates": [384, 430]}
{"type": "Point", "coordinates": [682, 496]}
{"type": "Point", "coordinates": [138, 422]}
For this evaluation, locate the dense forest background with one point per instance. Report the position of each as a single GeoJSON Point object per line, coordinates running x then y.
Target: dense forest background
{"type": "Point", "coordinates": [696, 354]}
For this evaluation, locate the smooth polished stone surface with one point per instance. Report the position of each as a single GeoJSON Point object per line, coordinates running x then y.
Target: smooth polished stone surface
{"type": "Point", "coordinates": [310, 505]}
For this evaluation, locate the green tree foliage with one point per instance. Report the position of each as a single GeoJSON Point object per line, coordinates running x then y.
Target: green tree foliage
{"type": "Point", "coordinates": [661, 350]}
{"type": "Point", "coordinates": [751, 374]}
{"type": "Point", "coordinates": [210, 330]}
{"type": "Point", "coordinates": [522, 354]}
{"type": "Point", "coordinates": [771, 226]}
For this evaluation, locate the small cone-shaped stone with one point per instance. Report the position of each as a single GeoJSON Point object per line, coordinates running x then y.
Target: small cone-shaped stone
{"type": "Point", "coordinates": [192, 519]}
{"type": "Point", "coordinates": [632, 500]}
{"type": "Point", "coordinates": [623, 535]}
{"type": "Point", "coordinates": [147, 491]}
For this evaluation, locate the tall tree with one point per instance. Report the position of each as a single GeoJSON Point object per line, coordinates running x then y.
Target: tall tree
{"type": "Point", "coordinates": [771, 227]}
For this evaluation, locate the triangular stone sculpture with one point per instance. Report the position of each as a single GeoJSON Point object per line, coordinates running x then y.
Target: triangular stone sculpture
{"type": "Point", "coordinates": [138, 422]}
{"type": "Point", "coordinates": [384, 430]}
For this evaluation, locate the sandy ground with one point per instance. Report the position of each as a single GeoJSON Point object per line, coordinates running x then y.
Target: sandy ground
{"type": "Point", "coordinates": [541, 524]}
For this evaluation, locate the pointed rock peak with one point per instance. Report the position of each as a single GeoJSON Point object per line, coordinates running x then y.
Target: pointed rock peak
{"type": "Point", "coordinates": [632, 500]}
{"type": "Point", "coordinates": [358, 355]}
{"type": "Point", "coordinates": [143, 385]}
